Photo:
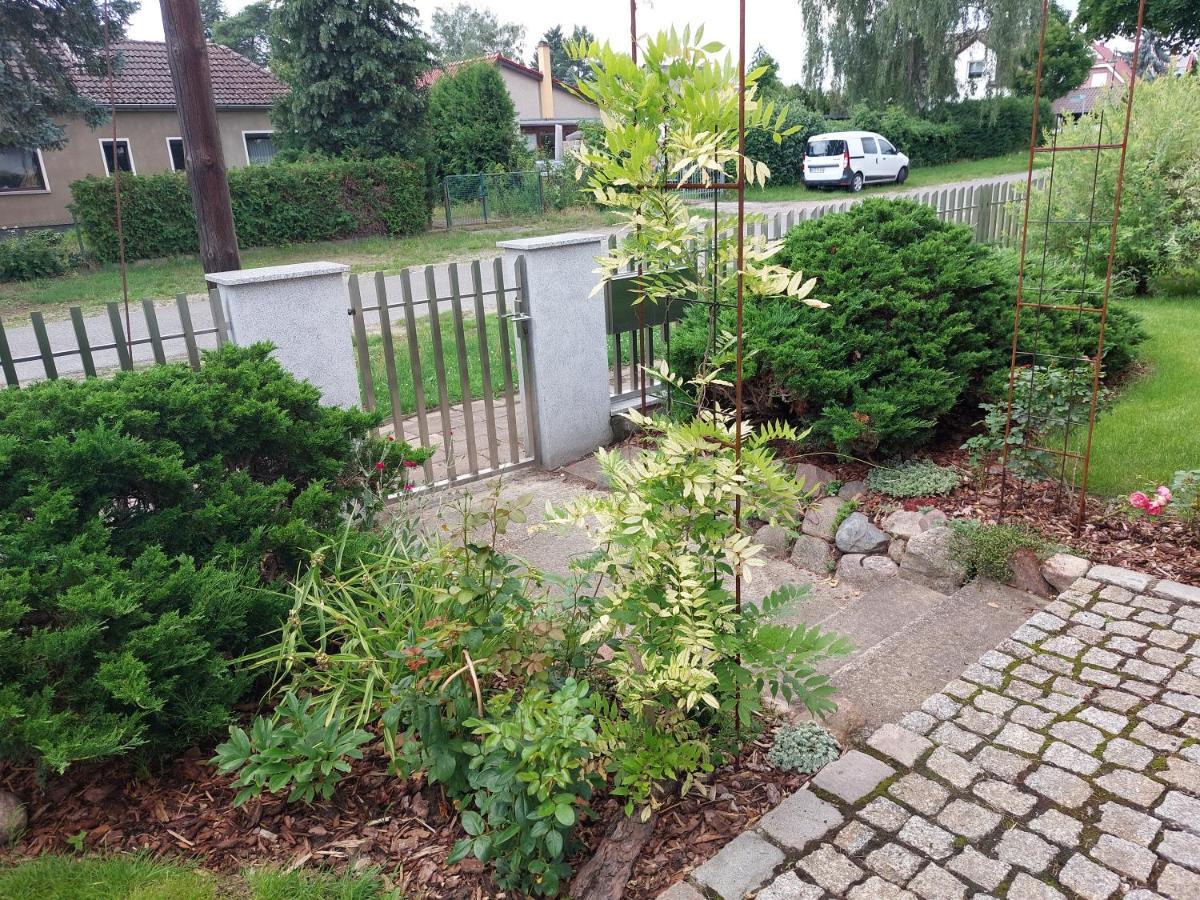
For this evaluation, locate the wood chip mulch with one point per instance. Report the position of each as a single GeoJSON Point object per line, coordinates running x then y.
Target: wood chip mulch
{"type": "Point", "coordinates": [1111, 535]}
{"type": "Point", "coordinates": [405, 827]}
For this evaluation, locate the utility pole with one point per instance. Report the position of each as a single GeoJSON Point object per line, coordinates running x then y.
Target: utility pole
{"type": "Point", "coordinates": [187, 55]}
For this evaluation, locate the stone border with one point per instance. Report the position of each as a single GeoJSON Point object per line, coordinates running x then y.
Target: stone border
{"type": "Point", "coordinates": [776, 856]}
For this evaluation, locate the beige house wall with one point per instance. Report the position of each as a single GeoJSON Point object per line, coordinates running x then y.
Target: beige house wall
{"type": "Point", "coordinates": [147, 131]}
{"type": "Point", "coordinates": [524, 92]}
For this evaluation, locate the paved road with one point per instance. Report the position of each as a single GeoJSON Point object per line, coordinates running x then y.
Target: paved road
{"type": "Point", "coordinates": [22, 341]}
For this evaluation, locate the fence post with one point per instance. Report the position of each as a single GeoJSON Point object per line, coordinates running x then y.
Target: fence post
{"type": "Point", "coordinates": [302, 310]}
{"type": "Point", "coordinates": [566, 342]}
{"type": "Point", "coordinates": [446, 196]}
{"type": "Point", "coordinates": [983, 215]}
{"type": "Point", "coordinates": [483, 196]}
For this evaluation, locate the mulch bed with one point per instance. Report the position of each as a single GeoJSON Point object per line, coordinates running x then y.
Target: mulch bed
{"type": "Point", "coordinates": [403, 826]}
{"type": "Point", "coordinates": [1110, 535]}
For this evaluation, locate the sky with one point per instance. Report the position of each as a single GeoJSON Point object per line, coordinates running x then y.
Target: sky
{"type": "Point", "coordinates": [775, 24]}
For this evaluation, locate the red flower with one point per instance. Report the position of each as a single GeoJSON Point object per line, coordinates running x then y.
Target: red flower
{"type": "Point", "coordinates": [409, 464]}
{"type": "Point", "coordinates": [391, 437]}
{"type": "Point", "coordinates": [379, 465]}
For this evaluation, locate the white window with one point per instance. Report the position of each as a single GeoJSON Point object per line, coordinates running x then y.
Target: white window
{"type": "Point", "coordinates": [260, 147]}
{"type": "Point", "coordinates": [175, 154]}
{"type": "Point", "coordinates": [124, 155]}
{"type": "Point", "coordinates": [975, 68]}
{"type": "Point", "coordinates": [22, 171]}
{"type": "Point", "coordinates": [869, 147]}
{"type": "Point", "coordinates": [1099, 79]}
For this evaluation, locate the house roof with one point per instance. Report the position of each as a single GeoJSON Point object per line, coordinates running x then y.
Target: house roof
{"type": "Point", "coordinates": [1081, 100]}
{"type": "Point", "coordinates": [144, 78]}
{"type": "Point", "coordinates": [1106, 57]}
{"type": "Point", "coordinates": [498, 59]}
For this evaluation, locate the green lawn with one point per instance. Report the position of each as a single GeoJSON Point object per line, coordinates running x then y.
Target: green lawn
{"type": "Point", "coordinates": [163, 278]}
{"type": "Point", "coordinates": [1151, 431]}
{"type": "Point", "coordinates": [918, 177]}
{"type": "Point", "coordinates": [143, 878]}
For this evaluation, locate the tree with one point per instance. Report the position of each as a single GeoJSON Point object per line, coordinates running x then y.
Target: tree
{"type": "Point", "coordinates": [1174, 22]}
{"type": "Point", "coordinates": [903, 51]}
{"type": "Point", "coordinates": [473, 122]}
{"type": "Point", "coordinates": [247, 32]}
{"type": "Point", "coordinates": [211, 12]}
{"type": "Point", "coordinates": [463, 32]}
{"type": "Point", "coordinates": [354, 67]}
{"type": "Point", "coordinates": [39, 39]}
{"type": "Point", "coordinates": [1065, 62]}
{"type": "Point", "coordinates": [565, 67]}
{"type": "Point", "coordinates": [769, 83]}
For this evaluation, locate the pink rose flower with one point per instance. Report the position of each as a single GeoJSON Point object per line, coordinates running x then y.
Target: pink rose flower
{"type": "Point", "coordinates": [1138, 500]}
{"type": "Point", "coordinates": [1154, 508]}
{"type": "Point", "coordinates": [1163, 493]}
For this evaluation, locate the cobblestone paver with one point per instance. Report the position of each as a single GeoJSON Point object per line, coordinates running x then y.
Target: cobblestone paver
{"type": "Point", "coordinates": [1065, 763]}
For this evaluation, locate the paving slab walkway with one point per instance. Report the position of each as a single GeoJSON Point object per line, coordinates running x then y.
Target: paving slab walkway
{"type": "Point", "coordinates": [1063, 762]}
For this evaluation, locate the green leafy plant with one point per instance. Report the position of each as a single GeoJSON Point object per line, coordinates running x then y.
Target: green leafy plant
{"type": "Point", "coordinates": [473, 123]}
{"type": "Point", "coordinates": [986, 551]}
{"type": "Point", "coordinates": [844, 512]}
{"type": "Point", "coordinates": [38, 254]}
{"type": "Point", "coordinates": [805, 747]}
{"type": "Point", "coordinates": [1047, 402]}
{"type": "Point", "coordinates": [138, 517]}
{"type": "Point", "coordinates": [531, 777]}
{"type": "Point", "coordinates": [304, 747]}
{"type": "Point", "coordinates": [281, 203]}
{"type": "Point", "coordinates": [913, 478]}
{"type": "Point", "coordinates": [1185, 490]}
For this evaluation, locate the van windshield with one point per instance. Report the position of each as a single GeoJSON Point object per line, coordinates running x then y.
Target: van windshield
{"type": "Point", "coordinates": [826, 148]}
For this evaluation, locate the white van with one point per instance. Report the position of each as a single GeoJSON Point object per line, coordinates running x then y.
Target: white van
{"type": "Point", "coordinates": [851, 159]}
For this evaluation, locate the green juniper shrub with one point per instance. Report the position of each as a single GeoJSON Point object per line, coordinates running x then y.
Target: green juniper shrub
{"type": "Point", "coordinates": [912, 478]}
{"type": "Point", "coordinates": [138, 514]}
{"type": "Point", "coordinates": [37, 254]}
{"type": "Point", "coordinates": [805, 747]}
{"type": "Point", "coordinates": [311, 200]}
{"type": "Point", "coordinates": [919, 316]}
{"type": "Point", "coordinates": [986, 551]}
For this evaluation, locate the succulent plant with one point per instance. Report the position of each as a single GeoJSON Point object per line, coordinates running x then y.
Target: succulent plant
{"type": "Point", "coordinates": [802, 748]}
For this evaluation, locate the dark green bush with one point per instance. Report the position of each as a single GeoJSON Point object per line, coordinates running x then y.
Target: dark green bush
{"type": "Point", "coordinates": [969, 129]}
{"type": "Point", "coordinates": [920, 314]}
{"type": "Point", "coordinates": [784, 159]}
{"type": "Point", "coordinates": [282, 203]}
{"type": "Point", "coordinates": [37, 254]}
{"type": "Point", "coordinates": [138, 515]}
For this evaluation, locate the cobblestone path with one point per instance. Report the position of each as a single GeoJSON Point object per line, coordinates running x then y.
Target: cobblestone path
{"type": "Point", "coordinates": [1064, 763]}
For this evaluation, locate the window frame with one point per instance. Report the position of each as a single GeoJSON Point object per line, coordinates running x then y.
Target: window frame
{"type": "Point", "coordinates": [891, 148]}
{"type": "Point", "coordinates": [972, 63]}
{"type": "Point", "coordinates": [171, 154]}
{"type": "Point", "coordinates": [128, 152]}
{"type": "Point", "coordinates": [246, 145]}
{"type": "Point", "coordinates": [863, 140]}
{"type": "Point", "coordinates": [45, 178]}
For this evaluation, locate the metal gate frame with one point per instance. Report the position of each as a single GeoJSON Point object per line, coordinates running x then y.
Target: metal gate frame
{"type": "Point", "coordinates": [494, 451]}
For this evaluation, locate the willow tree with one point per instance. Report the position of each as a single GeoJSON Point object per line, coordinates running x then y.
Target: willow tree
{"type": "Point", "coordinates": [903, 51]}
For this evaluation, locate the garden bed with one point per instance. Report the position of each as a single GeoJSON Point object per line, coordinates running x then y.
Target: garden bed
{"type": "Point", "coordinates": [1162, 547]}
{"type": "Point", "coordinates": [375, 819]}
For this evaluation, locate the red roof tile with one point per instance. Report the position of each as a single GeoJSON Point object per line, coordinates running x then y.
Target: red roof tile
{"type": "Point", "coordinates": [144, 78]}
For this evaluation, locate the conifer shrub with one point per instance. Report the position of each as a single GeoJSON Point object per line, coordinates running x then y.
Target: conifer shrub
{"type": "Point", "coordinates": [139, 516]}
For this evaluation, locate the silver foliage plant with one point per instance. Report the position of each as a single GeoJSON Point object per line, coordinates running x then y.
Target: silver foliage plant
{"type": "Point", "coordinates": [804, 748]}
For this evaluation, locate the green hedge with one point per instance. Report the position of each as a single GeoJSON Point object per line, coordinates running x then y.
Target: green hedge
{"type": "Point", "coordinates": [38, 254]}
{"type": "Point", "coordinates": [277, 204]}
{"type": "Point", "coordinates": [970, 129]}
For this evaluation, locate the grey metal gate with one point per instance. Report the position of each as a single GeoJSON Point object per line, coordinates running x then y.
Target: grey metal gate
{"type": "Point", "coordinates": [443, 350]}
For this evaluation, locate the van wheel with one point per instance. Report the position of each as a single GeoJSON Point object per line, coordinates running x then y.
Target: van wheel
{"type": "Point", "coordinates": [902, 175]}
{"type": "Point", "coordinates": [856, 183]}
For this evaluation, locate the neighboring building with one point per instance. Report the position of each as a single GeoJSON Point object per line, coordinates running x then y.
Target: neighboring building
{"type": "Point", "coordinates": [35, 184]}
{"type": "Point", "coordinates": [1108, 72]}
{"type": "Point", "coordinates": [548, 112]}
{"type": "Point", "coordinates": [975, 72]}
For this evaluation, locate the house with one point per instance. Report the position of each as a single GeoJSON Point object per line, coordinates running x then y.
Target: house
{"type": "Point", "coordinates": [1108, 72]}
{"type": "Point", "coordinates": [975, 72]}
{"type": "Point", "coordinates": [35, 183]}
{"type": "Point", "coordinates": [548, 111]}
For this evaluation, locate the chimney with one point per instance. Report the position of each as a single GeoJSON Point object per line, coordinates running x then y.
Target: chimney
{"type": "Point", "coordinates": [546, 89]}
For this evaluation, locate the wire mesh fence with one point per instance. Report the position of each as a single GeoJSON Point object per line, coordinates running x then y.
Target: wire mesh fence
{"type": "Point", "coordinates": [489, 197]}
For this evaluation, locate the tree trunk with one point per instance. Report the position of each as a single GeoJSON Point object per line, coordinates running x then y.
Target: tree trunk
{"type": "Point", "coordinates": [603, 877]}
{"type": "Point", "coordinates": [187, 55]}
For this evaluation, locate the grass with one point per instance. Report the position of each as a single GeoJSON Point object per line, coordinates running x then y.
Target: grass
{"type": "Point", "coordinates": [145, 878]}
{"type": "Point", "coordinates": [918, 177]}
{"type": "Point", "coordinates": [1150, 432]}
{"type": "Point", "coordinates": [161, 279]}
{"type": "Point", "coordinates": [424, 330]}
